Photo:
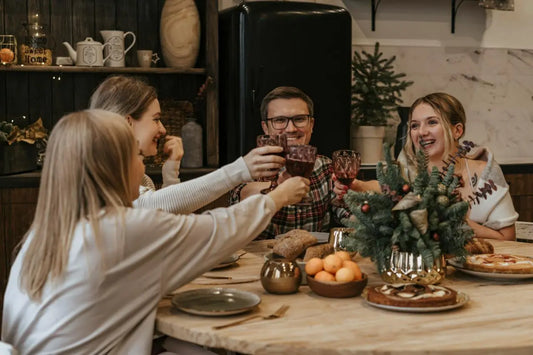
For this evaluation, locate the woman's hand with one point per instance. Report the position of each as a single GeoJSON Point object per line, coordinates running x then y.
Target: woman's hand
{"type": "Point", "coordinates": [173, 148]}
{"type": "Point", "coordinates": [339, 189]}
{"type": "Point", "coordinates": [290, 191]}
{"type": "Point", "coordinates": [262, 161]}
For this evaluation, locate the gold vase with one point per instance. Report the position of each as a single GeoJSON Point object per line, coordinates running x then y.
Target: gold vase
{"type": "Point", "coordinates": [405, 267]}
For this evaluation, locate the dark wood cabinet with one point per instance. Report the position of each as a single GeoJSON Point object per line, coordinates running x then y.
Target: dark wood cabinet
{"type": "Point", "coordinates": [48, 92]}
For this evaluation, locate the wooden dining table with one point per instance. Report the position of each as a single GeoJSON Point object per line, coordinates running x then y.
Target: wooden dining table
{"type": "Point", "coordinates": [498, 319]}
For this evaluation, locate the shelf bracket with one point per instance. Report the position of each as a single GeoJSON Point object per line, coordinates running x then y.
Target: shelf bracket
{"type": "Point", "coordinates": [454, 12]}
{"type": "Point", "coordinates": [374, 10]}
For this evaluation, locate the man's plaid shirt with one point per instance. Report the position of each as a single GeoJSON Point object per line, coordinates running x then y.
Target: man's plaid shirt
{"type": "Point", "coordinates": [315, 218]}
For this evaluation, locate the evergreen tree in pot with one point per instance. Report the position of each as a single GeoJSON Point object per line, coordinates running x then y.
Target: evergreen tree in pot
{"type": "Point", "coordinates": [376, 92]}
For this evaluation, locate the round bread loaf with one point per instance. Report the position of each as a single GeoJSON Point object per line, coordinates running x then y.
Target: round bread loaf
{"type": "Point", "coordinates": [294, 243]}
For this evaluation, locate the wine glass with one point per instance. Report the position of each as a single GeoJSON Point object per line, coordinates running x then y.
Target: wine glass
{"type": "Point", "coordinates": [346, 164]}
{"type": "Point", "coordinates": [300, 161]}
{"type": "Point", "coordinates": [274, 140]}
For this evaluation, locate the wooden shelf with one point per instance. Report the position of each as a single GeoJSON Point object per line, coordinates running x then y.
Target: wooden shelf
{"type": "Point", "coordinates": [124, 70]}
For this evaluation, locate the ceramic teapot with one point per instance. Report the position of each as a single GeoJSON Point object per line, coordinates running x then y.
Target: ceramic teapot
{"type": "Point", "coordinates": [88, 53]}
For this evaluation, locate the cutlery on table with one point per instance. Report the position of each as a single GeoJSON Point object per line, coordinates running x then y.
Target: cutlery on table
{"type": "Point", "coordinates": [277, 314]}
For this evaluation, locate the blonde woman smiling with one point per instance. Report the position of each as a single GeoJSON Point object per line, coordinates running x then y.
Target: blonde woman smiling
{"type": "Point", "coordinates": [87, 280]}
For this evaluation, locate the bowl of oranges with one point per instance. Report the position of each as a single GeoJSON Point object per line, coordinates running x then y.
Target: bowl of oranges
{"type": "Point", "coordinates": [335, 275]}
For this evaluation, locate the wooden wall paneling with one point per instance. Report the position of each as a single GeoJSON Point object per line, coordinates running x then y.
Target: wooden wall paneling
{"type": "Point", "coordinates": [61, 26]}
{"type": "Point", "coordinates": [2, 14]}
{"type": "Point", "coordinates": [62, 96]}
{"type": "Point", "coordinates": [82, 21]}
{"type": "Point", "coordinates": [3, 263]}
{"type": "Point", "coordinates": [17, 100]}
{"type": "Point", "coordinates": [84, 85]}
{"type": "Point", "coordinates": [40, 97]}
{"type": "Point", "coordinates": [20, 213]}
{"type": "Point", "coordinates": [127, 21]}
{"type": "Point", "coordinates": [105, 13]}
{"type": "Point", "coordinates": [201, 6]}
{"type": "Point", "coordinates": [14, 16]}
{"type": "Point", "coordinates": [3, 95]}
{"type": "Point", "coordinates": [148, 17]}
{"type": "Point", "coordinates": [211, 64]}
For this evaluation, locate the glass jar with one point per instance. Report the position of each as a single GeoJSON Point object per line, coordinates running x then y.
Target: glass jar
{"type": "Point", "coordinates": [34, 50]}
{"type": "Point", "coordinates": [8, 49]}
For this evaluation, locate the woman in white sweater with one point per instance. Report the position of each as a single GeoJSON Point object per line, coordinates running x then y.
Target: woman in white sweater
{"type": "Point", "coordinates": [87, 280]}
{"type": "Point", "coordinates": [137, 101]}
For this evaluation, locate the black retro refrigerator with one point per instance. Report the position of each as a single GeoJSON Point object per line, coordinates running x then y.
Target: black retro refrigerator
{"type": "Point", "coordinates": [265, 44]}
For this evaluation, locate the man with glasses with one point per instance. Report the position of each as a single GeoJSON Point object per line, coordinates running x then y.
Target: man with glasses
{"type": "Point", "coordinates": [289, 110]}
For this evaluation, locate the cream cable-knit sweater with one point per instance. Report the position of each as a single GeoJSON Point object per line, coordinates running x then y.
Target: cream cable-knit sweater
{"type": "Point", "coordinates": [188, 196]}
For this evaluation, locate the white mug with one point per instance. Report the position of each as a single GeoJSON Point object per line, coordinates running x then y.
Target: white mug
{"type": "Point", "coordinates": [145, 58]}
{"type": "Point", "coordinates": [116, 50]}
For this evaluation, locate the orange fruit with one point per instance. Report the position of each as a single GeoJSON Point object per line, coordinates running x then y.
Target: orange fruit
{"type": "Point", "coordinates": [344, 255]}
{"type": "Point", "coordinates": [355, 268]}
{"type": "Point", "coordinates": [324, 276]}
{"type": "Point", "coordinates": [332, 263]}
{"type": "Point", "coordinates": [313, 265]}
{"type": "Point", "coordinates": [345, 274]}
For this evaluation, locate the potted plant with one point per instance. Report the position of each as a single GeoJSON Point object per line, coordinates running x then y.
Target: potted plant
{"type": "Point", "coordinates": [376, 92]}
{"type": "Point", "coordinates": [409, 227]}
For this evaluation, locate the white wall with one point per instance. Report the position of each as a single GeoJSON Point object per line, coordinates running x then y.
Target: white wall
{"type": "Point", "coordinates": [487, 64]}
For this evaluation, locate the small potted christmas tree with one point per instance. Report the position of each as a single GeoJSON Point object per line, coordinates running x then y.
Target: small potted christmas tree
{"type": "Point", "coordinates": [408, 228]}
{"type": "Point", "coordinates": [376, 92]}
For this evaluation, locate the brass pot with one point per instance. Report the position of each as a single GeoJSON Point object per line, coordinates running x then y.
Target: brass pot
{"type": "Point", "coordinates": [405, 267]}
{"type": "Point", "coordinates": [281, 276]}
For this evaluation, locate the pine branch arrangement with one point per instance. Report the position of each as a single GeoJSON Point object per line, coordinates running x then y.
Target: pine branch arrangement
{"type": "Point", "coordinates": [426, 218]}
{"type": "Point", "coordinates": [376, 88]}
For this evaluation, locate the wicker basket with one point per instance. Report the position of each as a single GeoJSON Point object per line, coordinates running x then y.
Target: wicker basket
{"type": "Point", "coordinates": [173, 114]}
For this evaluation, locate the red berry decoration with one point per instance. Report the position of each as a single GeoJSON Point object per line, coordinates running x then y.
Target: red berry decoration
{"type": "Point", "coordinates": [406, 188]}
{"type": "Point", "coordinates": [365, 208]}
{"type": "Point", "coordinates": [436, 236]}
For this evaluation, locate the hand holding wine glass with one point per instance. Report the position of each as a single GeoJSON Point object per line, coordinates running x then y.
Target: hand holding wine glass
{"type": "Point", "coordinates": [346, 165]}
{"type": "Point", "coordinates": [272, 140]}
{"type": "Point", "coordinates": [300, 161]}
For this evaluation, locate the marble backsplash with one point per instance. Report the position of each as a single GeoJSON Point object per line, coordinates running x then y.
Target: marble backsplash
{"type": "Point", "coordinates": [495, 87]}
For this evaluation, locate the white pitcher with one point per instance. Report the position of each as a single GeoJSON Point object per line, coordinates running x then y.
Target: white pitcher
{"type": "Point", "coordinates": [116, 49]}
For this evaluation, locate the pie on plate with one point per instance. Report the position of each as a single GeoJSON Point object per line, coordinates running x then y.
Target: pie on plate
{"type": "Point", "coordinates": [499, 263]}
{"type": "Point", "coordinates": [411, 295]}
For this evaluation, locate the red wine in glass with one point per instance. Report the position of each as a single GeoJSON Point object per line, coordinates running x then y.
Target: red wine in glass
{"type": "Point", "coordinates": [273, 140]}
{"type": "Point", "coordinates": [346, 165]}
{"type": "Point", "coordinates": [300, 161]}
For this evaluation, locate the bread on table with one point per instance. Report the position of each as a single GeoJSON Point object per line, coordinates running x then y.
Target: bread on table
{"type": "Point", "coordinates": [318, 251]}
{"type": "Point", "coordinates": [294, 243]}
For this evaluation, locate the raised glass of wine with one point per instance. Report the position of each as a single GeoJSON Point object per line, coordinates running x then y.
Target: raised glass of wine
{"type": "Point", "coordinates": [273, 140]}
{"type": "Point", "coordinates": [346, 165]}
{"type": "Point", "coordinates": [300, 161]}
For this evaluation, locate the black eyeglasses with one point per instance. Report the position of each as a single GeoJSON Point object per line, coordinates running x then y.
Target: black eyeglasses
{"type": "Point", "coordinates": [281, 122]}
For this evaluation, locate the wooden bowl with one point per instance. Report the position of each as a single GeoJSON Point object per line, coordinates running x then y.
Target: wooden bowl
{"type": "Point", "coordinates": [335, 289]}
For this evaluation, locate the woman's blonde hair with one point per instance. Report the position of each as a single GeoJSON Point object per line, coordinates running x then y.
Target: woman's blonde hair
{"type": "Point", "coordinates": [449, 111]}
{"type": "Point", "coordinates": [124, 95]}
{"type": "Point", "coordinates": [87, 170]}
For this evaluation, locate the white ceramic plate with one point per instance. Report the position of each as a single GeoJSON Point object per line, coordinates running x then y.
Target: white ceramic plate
{"type": "Point", "coordinates": [322, 237]}
{"type": "Point", "coordinates": [487, 275]}
{"type": "Point", "coordinates": [230, 260]}
{"type": "Point", "coordinates": [215, 301]}
{"type": "Point", "coordinates": [462, 299]}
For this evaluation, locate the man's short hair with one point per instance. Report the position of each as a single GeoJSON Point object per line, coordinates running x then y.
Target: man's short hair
{"type": "Point", "coordinates": [285, 92]}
